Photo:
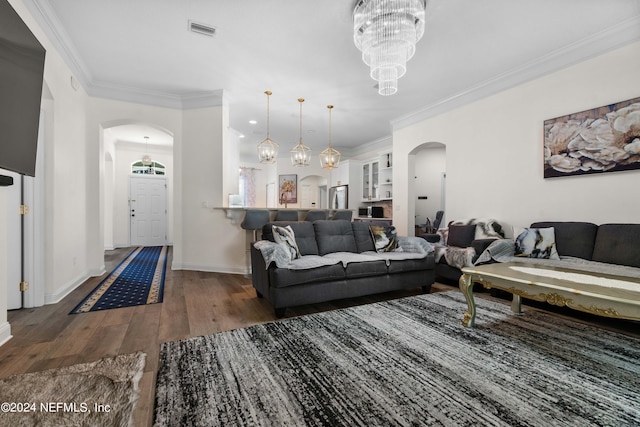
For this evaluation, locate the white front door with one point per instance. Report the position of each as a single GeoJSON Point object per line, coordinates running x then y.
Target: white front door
{"type": "Point", "coordinates": [148, 210]}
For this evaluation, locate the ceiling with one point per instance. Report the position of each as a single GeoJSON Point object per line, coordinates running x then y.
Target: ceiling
{"type": "Point", "coordinates": [142, 51]}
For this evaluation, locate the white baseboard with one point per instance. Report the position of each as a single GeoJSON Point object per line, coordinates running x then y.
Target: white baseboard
{"type": "Point", "coordinates": [5, 333]}
{"type": "Point", "coordinates": [98, 272]}
{"type": "Point", "coordinates": [211, 268]}
{"type": "Point", "coordinates": [66, 290]}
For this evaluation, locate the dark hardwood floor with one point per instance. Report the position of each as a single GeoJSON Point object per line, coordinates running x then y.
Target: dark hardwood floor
{"type": "Point", "coordinates": [195, 303]}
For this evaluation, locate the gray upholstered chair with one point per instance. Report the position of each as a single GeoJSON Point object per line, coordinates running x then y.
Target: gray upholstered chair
{"type": "Point", "coordinates": [254, 219]}
{"type": "Point", "coordinates": [317, 214]}
{"type": "Point", "coordinates": [283, 215]}
{"type": "Point", "coordinates": [342, 215]}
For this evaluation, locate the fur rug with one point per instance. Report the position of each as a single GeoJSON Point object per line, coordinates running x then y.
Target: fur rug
{"type": "Point", "coordinates": [403, 362]}
{"type": "Point", "coordinates": [68, 396]}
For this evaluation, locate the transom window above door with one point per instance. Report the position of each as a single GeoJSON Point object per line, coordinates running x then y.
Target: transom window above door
{"type": "Point", "coordinates": [155, 168]}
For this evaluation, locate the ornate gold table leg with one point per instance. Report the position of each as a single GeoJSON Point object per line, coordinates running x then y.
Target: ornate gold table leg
{"type": "Point", "coordinates": [466, 286]}
{"type": "Point", "coordinates": [516, 306]}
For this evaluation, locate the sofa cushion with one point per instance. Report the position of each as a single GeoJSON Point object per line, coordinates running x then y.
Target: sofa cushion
{"type": "Point", "coordinates": [574, 239]}
{"type": "Point", "coordinates": [385, 238]}
{"type": "Point", "coordinates": [404, 265]}
{"type": "Point", "coordinates": [461, 235]}
{"type": "Point", "coordinates": [537, 243]}
{"type": "Point", "coordinates": [362, 234]}
{"type": "Point", "coordinates": [618, 244]}
{"type": "Point", "coordinates": [366, 269]}
{"type": "Point", "coordinates": [284, 237]}
{"type": "Point", "coordinates": [334, 236]}
{"type": "Point", "coordinates": [304, 233]}
{"type": "Point", "coordinates": [283, 277]}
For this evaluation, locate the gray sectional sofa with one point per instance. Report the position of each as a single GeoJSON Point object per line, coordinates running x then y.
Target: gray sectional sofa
{"type": "Point", "coordinates": [338, 260]}
{"type": "Point", "coordinates": [615, 244]}
{"type": "Point", "coordinates": [581, 245]}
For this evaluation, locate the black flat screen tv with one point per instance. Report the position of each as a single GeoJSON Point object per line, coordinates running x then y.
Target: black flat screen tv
{"type": "Point", "coordinates": [21, 79]}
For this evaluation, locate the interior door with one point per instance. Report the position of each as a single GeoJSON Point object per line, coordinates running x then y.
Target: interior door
{"type": "Point", "coordinates": [14, 241]}
{"type": "Point", "coordinates": [148, 210]}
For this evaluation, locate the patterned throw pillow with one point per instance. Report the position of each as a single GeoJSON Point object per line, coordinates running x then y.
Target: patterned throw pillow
{"type": "Point", "coordinates": [537, 243]}
{"type": "Point", "coordinates": [385, 238]}
{"type": "Point", "coordinates": [284, 236]}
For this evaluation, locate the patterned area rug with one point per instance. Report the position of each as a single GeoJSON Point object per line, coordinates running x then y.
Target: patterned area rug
{"type": "Point", "coordinates": [101, 393]}
{"type": "Point", "coordinates": [137, 280]}
{"type": "Point", "coordinates": [403, 362]}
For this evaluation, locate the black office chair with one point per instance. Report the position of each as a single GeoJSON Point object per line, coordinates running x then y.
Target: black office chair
{"type": "Point", "coordinates": [432, 227]}
{"type": "Point", "coordinates": [438, 220]}
{"type": "Point", "coordinates": [286, 215]}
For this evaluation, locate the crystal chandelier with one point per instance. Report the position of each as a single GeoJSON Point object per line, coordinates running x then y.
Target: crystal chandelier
{"type": "Point", "coordinates": [300, 154]}
{"type": "Point", "coordinates": [268, 149]}
{"type": "Point", "coordinates": [146, 159]}
{"type": "Point", "coordinates": [330, 158]}
{"type": "Point", "coordinates": [386, 31]}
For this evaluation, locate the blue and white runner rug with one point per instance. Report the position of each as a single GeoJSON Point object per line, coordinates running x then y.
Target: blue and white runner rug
{"type": "Point", "coordinates": [137, 280]}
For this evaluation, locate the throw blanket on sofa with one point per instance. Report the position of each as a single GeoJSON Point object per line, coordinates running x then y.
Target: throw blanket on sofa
{"type": "Point", "coordinates": [504, 251]}
{"type": "Point", "coordinates": [455, 257]}
{"type": "Point", "coordinates": [485, 228]}
{"type": "Point", "coordinates": [412, 248]}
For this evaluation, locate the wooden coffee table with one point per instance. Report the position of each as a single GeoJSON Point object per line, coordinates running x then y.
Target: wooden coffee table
{"type": "Point", "coordinates": [601, 294]}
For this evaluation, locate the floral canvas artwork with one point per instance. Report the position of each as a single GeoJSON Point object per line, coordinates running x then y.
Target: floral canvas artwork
{"type": "Point", "coordinates": [604, 139]}
{"type": "Point", "coordinates": [288, 189]}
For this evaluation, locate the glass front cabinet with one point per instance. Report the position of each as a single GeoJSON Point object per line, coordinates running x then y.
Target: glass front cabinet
{"type": "Point", "coordinates": [370, 180]}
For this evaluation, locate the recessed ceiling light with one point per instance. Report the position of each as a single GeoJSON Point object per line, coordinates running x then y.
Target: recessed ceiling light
{"type": "Point", "coordinates": [241, 135]}
{"type": "Point", "coordinates": [253, 122]}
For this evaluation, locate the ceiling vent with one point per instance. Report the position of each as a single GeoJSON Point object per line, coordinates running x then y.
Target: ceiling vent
{"type": "Point", "coordinates": [200, 28]}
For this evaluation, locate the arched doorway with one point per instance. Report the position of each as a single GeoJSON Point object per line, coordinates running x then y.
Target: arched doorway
{"type": "Point", "coordinates": [126, 144]}
{"type": "Point", "coordinates": [429, 184]}
{"type": "Point", "coordinates": [313, 191]}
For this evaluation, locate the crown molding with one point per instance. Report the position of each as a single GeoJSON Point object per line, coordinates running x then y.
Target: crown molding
{"type": "Point", "coordinates": [379, 145]}
{"type": "Point", "coordinates": [157, 98]}
{"type": "Point", "coordinates": [625, 32]}
{"type": "Point", "coordinates": [54, 30]}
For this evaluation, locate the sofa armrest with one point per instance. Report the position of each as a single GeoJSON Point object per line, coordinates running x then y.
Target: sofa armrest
{"type": "Point", "coordinates": [259, 272]}
{"type": "Point", "coordinates": [431, 238]}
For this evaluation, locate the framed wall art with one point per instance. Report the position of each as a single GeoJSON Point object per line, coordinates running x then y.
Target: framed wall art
{"type": "Point", "coordinates": [604, 139]}
{"type": "Point", "coordinates": [288, 189]}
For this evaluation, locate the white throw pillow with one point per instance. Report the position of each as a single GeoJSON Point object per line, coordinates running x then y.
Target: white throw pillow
{"type": "Point", "coordinates": [537, 243]}
{"type": "Point", "coordinates": [285, 237]}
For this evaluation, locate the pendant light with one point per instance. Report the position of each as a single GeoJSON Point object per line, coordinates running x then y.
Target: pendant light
{"type": "Point", "coordinates": [300, 154]}
{"type": "Point", "coordinates": [268, 149]}
{"type": "Point", "coordinates": [146, 159]}
{"type": "Point", "coordinates": [330, 158]}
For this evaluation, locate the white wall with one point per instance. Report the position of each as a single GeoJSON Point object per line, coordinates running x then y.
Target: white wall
{"type": "Point", "coordinates": [494, 150]}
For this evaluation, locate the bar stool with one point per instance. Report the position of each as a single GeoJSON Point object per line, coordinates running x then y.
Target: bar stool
{"type": "Point", "coordinates": [342, 215]}
{"type": "Point", "coordinates": [317, 214]}
{"type": "Point", "coordinates": [253, 221]}
{"type": "Point", "coordinates": [286, 215]}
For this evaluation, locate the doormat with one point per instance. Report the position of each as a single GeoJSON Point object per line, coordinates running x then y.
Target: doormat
{"type": "Point", "coordinates": [138, 280]}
